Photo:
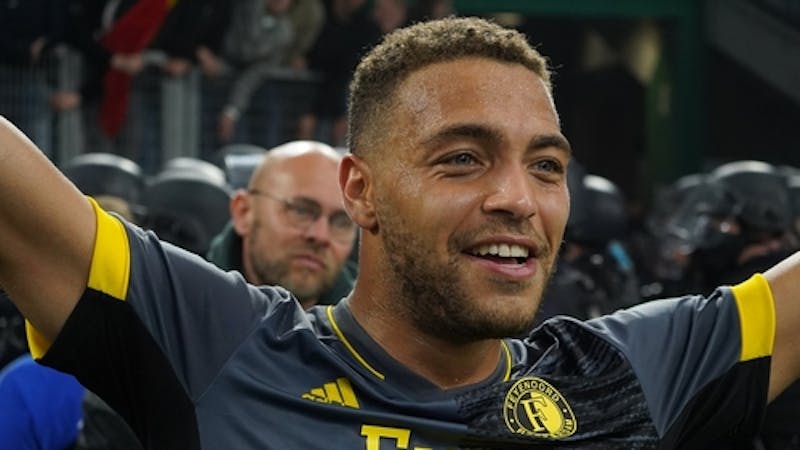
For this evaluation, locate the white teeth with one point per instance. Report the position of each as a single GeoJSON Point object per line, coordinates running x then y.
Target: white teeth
{"type": "Point", "coordinates": [502, 250]}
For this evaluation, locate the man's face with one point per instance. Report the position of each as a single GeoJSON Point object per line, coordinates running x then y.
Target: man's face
{"type": "Point", "coordinates": [471, 197]}
{"type": "Point", "coordinates": [306, 261]}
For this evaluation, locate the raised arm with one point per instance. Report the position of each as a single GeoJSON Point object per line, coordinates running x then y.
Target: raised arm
{"type": "Point", "coordinates": [47, 228]}
{"type": "Point", "coordinates": [784, 281]}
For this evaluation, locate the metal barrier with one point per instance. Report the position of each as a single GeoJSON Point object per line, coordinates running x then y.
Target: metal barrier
{"type": "Point", "coordinates": [168, 117]}
{"type": "Point", "coordinates": [23, 100]}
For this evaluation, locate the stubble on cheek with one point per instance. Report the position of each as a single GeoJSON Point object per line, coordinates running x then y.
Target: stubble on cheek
{"type": "Point", "coordinates": [441, 299]}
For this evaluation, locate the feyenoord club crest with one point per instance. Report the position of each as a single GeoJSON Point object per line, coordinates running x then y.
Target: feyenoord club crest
{"type": "Point", "coordinates": [533, 407]}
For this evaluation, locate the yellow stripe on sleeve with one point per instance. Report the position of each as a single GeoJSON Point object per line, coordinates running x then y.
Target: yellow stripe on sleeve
{"type": "Point", "coordinates": [111, 260]}
{"type": "Point", "coordinates": [756, 317]}
{"type": "Point", "coordinates": [109, 272]}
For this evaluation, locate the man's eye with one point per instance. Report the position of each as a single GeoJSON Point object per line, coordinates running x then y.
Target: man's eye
{"type": "Point", "coordinates": [549, 165]}
{"type": "Point", "coordinates": [462, 159]}
{"type": "Point", "coordinates": [303, 210]}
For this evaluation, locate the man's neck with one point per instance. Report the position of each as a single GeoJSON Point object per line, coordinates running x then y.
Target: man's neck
{"type": "Point", "coordinates": [442, 362]}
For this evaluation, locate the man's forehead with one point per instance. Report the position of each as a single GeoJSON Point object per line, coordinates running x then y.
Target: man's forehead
{"type": "Point", "coordinates": [311, 177]}
{"type": "Point", "coordinates": [305, 165]}
{"type": "Point", "coordinates": [469, 79]}
{"type": "Point", "coordinates": [491, 70]}
{"type": "Point", "coordinates": [475, 92]}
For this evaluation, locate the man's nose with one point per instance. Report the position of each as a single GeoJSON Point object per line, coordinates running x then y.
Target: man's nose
{"type": "Point", "coordinates": [511, 193]}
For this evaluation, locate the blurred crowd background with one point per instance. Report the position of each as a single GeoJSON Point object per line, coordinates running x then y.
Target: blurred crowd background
{"type": "Point", "coordinates": [682, 115]}
{"type": "Point", "coordinates": [647, 91]}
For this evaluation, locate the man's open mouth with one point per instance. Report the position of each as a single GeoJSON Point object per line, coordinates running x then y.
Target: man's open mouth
{"type": "Point", "coordinates": [502, 253]}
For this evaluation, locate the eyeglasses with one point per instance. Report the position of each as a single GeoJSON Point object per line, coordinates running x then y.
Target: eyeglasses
{"type": "Point", "coordinates": [304, 212]}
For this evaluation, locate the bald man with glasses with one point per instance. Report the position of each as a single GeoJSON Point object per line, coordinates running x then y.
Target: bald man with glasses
{"type": "Point", "coordinates": [289, 227]}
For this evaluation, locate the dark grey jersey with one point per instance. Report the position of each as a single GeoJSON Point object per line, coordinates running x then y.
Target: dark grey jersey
{"type": "Point", "coordinates": [195, 358]}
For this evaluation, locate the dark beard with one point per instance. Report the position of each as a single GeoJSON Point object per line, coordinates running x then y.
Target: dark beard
{"type": "Point", "coordinates": [433, 297]}
{"type": "Point", "coordinates": [277, 272]}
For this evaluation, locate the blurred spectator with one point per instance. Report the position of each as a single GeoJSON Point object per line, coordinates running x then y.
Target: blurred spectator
{"type": "Point", "coordinates": [256, 44]}
{"type": "Point", "coordinates": [41, 407]}
{"type": "Point", "coordinates": [348, 32]}
{"type": "Point", "coordinates": [735, 223]}
{"type": "Point", "coordinates": [595, 274]}
{"type": "Point", "coordinates": [106, 91]}
{"type": "Point", "coordinates": [111, 35]}
{"type": "Point", "coordinates": [28, 30]}
{"type": "Point", "coordinates": [192, 28]}
{"type": "Point", "coordinates": [130, 34]}
{"type": "Point", "coordinates": [660, 254]}
{"type": "Point", "coordinates": [289, 227]}
{"type": "Point", "coordinates": [308, 18]}
{"type": "Point", "coordinates": [86, 21]}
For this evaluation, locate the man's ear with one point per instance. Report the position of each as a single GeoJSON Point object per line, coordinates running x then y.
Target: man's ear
{"type": "Point", "coordinates": [355, 181]}
{"type": "Point", "coordinates": [241, 212]}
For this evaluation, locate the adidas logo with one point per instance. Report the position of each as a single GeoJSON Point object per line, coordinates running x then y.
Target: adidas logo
{"type": "Point", "coordinates": [339, 392]}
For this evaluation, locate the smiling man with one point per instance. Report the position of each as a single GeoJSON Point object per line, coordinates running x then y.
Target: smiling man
{"type": "Point", "coordinates": [470, 204]}
{"type": "Point", "coordinates": [457, 182]}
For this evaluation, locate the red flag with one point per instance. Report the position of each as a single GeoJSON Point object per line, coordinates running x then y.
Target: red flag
{"type": "Point", "coordinates": [131, 33]}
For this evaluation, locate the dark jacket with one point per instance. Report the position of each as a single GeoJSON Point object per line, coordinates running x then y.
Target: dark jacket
{"type": "Point", "coordinates": [190, 25]}
{"type": "Point", "coordinates": [226, 253]}
{"type": "Point", "coordinates": [24, 21]}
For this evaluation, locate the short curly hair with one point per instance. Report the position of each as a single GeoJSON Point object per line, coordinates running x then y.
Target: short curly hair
{"type": "Point", "coordinates": [408, 49]}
